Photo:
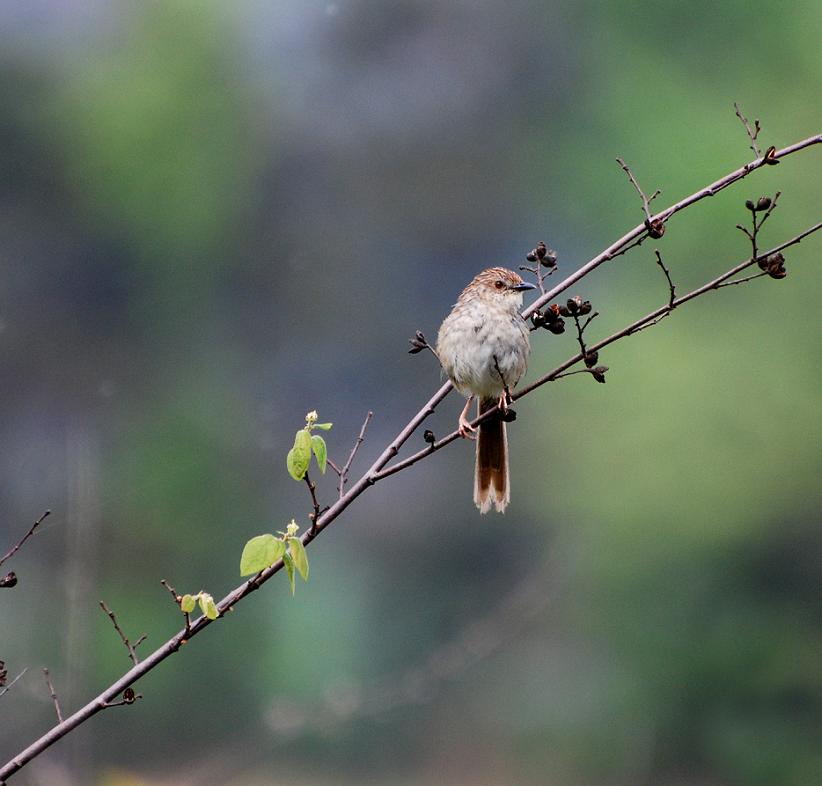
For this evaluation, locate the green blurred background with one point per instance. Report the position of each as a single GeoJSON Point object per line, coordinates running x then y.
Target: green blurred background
{"type": "Point", "coordinates": [215, 217]}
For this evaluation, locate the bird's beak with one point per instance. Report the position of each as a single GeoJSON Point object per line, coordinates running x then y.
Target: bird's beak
{"type": "Point", "coordinates": [523, 286]}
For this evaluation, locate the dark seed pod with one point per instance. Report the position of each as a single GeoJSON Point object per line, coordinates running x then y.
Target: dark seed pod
{"type": "Point", "coordinates": [591, 358]}
{"type": "Point", "coordinates": [573, 306]}
{"type": "Point", "coordinates": [749, 203]}
{"type": "Point", "coordinates": [564, 311]}
{"type": "Point", "coordinates": [418, 343]}
{"type": "Point", "coordinates": [763, 203]}
{"type": "Point", "coordinates": [656, 228]}
{"type": "Point", "coordinates": [585, 307]}
{"type": "Point", "coordinates": [9, 580]}
{"type": "Point", "coordinates": [428, 436]}
{"type": "Point", "coordinates": [508, 416]}
{"type": "Point", "coordinates": [599, 373]}
{"type": "Point", "coordinates": [774, 265]}
{"type": "Point", "coordinates": [549, 259]}
{"type": "Point", "coordinates": [556, 327]}
{"type": "Point", "coordinates": [537, 319]}
{"type": "Point", "coordinates": [770, 156]}
{"type": "Point", "coordinates": [541, 250]}
{"type": "Point", "coordinates": [531, 256]}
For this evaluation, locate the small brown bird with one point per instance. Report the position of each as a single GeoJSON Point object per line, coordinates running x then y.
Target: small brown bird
{"type": "Point", "coordinates": [483, 347]}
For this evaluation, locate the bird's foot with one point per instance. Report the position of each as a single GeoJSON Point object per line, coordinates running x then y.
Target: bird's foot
{"type": "Point", "coordinates": [465, 429]}
{"type": "Point", "coordinates": [505, 400]}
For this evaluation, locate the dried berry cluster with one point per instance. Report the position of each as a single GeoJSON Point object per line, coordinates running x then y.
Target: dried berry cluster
{"type": "Point", "coordinates": [418, 343]}
{"type": "Point", "coordinates": [547, 257]}
{"type": "Point", "coordinates": [549, 319]}
{"type": "Point", "coordinates": [763, 203]}
{"type": "Point", "coordinates": [552, 318]}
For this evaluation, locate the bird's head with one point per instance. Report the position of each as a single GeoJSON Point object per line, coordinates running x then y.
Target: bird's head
{"type": "Point", "coordinates": [499, 285]}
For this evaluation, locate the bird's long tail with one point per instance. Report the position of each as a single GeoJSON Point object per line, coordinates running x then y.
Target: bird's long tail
{"type": "Point", "coordinates": [491, 484]}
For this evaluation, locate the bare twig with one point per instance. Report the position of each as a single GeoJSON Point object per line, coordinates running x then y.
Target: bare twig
{"type": "Point", "coordinates": [14, 549]}
{"type": "Point", "coordinates": [178, 600]}
{"type": "Point", "coordinates": [741, 280]}
{"type": "Point", "coordinates": [752, 133]}
{"type": "Point", "coordinates": [380, 467]}
{"type": "Point", "coordinates": [581, 330]}
{"type": "Point", "coordinates": [646, 200]}
{"type": "Point", "coordinates": [312, 488]}
{"type": "Point", "coordinates": [132, 648]}
{"type": "Point", "coordinates": [765, 204]}
{"type": "Point", "coordinates": [671, 287]}
{"type": "Point", "coordinates": [53, 695]}
{"type": "Point", "coordinates": [343, 473]}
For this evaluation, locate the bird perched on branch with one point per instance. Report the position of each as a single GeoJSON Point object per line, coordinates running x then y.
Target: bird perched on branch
{"type": "Point", "coordinates": [483, 348]}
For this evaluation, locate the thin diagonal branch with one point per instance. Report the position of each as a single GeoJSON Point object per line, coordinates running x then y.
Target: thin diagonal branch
{"type": "Point", "coordinates": [646, 200]}
{"type": "Point", "coordinates": [14, 549]}
{"type": "Point", "coordinates": [671, 287]}
{"type": "Point", "coordinates": [179, 601]}
{"type": "Point", "coordinates": [343, 473]}
{"type": "Point", "coordinates": [753, 133]}
{"type": "Point", "coordinates": [315, 503]}
{"type": "Point", "coordinates": [132, 648]}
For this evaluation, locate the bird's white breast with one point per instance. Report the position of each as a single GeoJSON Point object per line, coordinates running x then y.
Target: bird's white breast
{"type": "Point", "coordinates": [483, 347]}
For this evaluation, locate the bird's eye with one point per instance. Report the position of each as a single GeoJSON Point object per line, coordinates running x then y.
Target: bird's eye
{"type": "Point", "coordinates": [499, 284]}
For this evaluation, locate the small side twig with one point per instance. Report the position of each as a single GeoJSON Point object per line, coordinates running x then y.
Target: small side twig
{"type": "Point", "coordinates": [53, 695]}
{"type": "Point", "coordinates": [14, 549]}
{"type": "Point", "coordinates": [132, 648]}
{"type": "Point", "coordinates": [178, 599]}
{"type": "Point", "coordinates": [671, 287]}
{"type": "Point", "coordinates": [581, 330]}
{"type": "Point", "coordinates": [315, 503]}
{"type": "Point", "coordinates": [764, 205]}
{"type": "Point", "coordinates": [343, 473]}
{"type": "Point", "coordinates": [741, 280]}
{"type": "Point", "coordinates": [655, 227]}
{"type": "Point", "coordinates": [753, 133]}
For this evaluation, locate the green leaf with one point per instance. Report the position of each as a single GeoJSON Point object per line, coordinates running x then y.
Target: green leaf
{"type": "Point", "coordinates": [323, 426]}
{"type": "Point", "coordinates": [295, 546]}
{"type": "Point", "coordinates": [208, 606]}
{"type": "Point", "coordinates": [289, 569]}
{"type": "Point", "coordinates": [320, 451]}
{"type": "Point", "coordinates": [259, 553]}
{"type": "Point", "coordinates": [187, 603]}
{"type": "Point", "coordinates": [300, 455]}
